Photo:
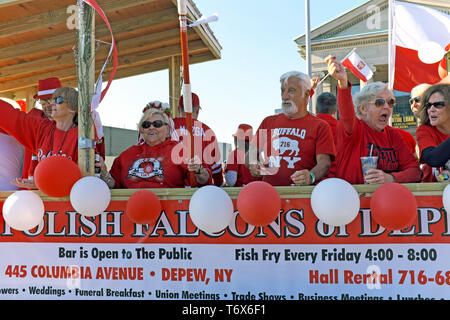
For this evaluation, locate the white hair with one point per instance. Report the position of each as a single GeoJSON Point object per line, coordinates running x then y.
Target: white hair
{"type": "Point", "coordinates": [367, 94]}
{"type": "Point", "coordinates": [304, 79]}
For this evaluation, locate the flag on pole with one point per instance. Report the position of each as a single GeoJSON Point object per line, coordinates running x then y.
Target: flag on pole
{"type": "Point", "coordinates": [357, 66]}
{"type": "Point", "coordinates": [414, 26]}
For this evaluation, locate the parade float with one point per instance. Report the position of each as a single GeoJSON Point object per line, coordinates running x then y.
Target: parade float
{"type": "Point", "coordinates": [76, 239]}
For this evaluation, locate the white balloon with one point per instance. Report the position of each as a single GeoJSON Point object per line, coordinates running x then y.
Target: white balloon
{"type": "Point", "coordinates": [335, 202]}
{"type": "Point", "coordinates": [90, 196]}
{"type": "Point", "coordinates": [211, 209]}
{"type": "Point", "coordinates": [430, 52]}
{"type": "Point", "coordinates": [23, 210]}
{"type": "Point", "coordinates": [446, 198]}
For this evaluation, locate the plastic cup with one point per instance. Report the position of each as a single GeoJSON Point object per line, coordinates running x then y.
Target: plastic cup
{"type": "Point", "coordinates": [368, 163]}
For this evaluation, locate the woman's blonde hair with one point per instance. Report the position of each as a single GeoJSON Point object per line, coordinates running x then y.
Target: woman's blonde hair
{"type": "Point", "coordinates": [152, 112]}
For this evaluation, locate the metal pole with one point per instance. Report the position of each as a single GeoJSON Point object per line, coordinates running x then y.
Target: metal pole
{"type": "Point", "coordinates": [308, 46]}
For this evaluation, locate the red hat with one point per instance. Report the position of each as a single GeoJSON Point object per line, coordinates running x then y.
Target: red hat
{"type": "Point", "coordinates": [195, 101]}
{"type": "Point", "coordinates": [244, 131]}
{"type": "Point", "coordinates": [46, 88]}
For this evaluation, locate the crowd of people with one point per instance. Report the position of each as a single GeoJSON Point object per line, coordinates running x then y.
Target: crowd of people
{"type": "Point", "coordinates": [294, 147]}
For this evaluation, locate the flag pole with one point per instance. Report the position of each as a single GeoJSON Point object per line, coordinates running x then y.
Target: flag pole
{"type": "Point", "coordinates": [187, 95]}
{"type": "Point", "coordinates": [308, 47]}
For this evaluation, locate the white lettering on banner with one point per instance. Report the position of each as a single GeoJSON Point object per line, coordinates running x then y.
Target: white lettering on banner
{"type": "Point", "coordinates": [289, 224]}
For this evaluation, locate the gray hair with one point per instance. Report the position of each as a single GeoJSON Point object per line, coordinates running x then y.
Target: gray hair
{"type": "Point", "coordinates": [368, 94]}
{"type": "Point", "coordinates": [304, 79]}
{"type": "Point", "coordinates": [70, 96]}
{"type": "Point", "coordinates": [419, 90]}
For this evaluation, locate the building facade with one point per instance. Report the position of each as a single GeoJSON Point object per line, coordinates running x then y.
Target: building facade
{"type": "Point", "coordinates": [365, 28]}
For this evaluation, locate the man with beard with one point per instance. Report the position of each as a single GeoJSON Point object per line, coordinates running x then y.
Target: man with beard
{"type": "Point", "coordinates": [293, 147]}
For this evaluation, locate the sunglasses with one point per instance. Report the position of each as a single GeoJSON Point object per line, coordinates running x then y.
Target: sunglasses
{"type": "Point", "coordinates": [157, 124]}
{"type": "Point", "coordinates": [416, 100]}
{"type": "Point", "coordinates": [437, 104]}
{"type": "Point", "coordinates": [58, 100]}
{"type": "Point", "coordinates": [380, 102]}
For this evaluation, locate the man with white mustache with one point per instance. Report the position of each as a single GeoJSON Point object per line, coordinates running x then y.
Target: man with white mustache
{"type": "Point", "coordinates": [293, 147]}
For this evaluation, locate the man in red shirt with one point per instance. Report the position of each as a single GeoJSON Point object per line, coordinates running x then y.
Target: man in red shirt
{"type": "Point", "coordinates": [205, 141]}
{"type": "Point", "coordinates": [236, 173]}
{"type": "Point", "coordinates": [294, 146]}
{"type": "Point", "coordinates": [46, 88]}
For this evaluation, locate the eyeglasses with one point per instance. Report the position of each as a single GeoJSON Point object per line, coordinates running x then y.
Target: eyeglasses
{"type": "Point", "coordinates": [58, 100]}
{"type": "Point", "coordinates": [380, 102]}
{"type": "Point", "coordinates": [437, 104]}
{"type": "Point", "coordinates": [157, 124]}
{"type": "Point", "coordinates": [415, 99]}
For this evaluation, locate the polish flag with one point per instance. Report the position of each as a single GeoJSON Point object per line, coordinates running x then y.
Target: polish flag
{"type": "Point", "coordinates": [413, 27]}
{"type": "Point", "coordinates": [357, 66]}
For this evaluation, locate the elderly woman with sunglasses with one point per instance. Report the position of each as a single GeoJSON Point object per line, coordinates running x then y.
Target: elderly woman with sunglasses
{"type": "Point", "coordinates": [43, 136]}
{"type": "Point", "coordinates": [155, 163]}
{"type": "Point", "coordinates": [433, 135]}
{"type": "Point", "coordinates": [363, 130]}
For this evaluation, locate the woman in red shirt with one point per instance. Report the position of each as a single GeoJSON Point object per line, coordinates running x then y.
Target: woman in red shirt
{"type": "Point", "coordinates": [433, 135]}
{"type": "Point", "coordinates": [45, 137]}
{"type": "Point", "coordinates": [153, 164]}
{"type": "Point", "coordinates": [364, 131]}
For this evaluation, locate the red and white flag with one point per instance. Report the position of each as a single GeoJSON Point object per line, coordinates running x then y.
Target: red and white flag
{"type": "Point", "coordinates": [414, 26]}
{"type": "Point", "coordinates": [357, 66]}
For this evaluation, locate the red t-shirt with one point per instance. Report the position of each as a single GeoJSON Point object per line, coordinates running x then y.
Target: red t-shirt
{"type": "Point", "coordinates": [205, 146]}
{"type": "Point", "coordinates": [429, 136]}
{"type": "Point", "coordinates": [332, 121]}
{"type": "Point", "coordinates": [236, 162]}
{"type": "Point", "coordinates": [292, 145]}
{"type": "Point", "coordinates": [408, 138]}
{"type": "Point", "coordinates": [394, 157]}
{"type": "Point", "coordinates": [143, 166]}
{"type": "Point", "coordinates": [30, 159]}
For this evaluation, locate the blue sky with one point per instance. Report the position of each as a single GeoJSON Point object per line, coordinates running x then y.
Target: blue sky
{"type": "Point", "coordinates": [242, 87]}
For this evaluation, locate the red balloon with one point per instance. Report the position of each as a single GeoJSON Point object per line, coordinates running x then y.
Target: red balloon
{"type": "Point", "coordinates": [393, 206]}
{"type": "Point", "coordinates": [143, 207]}
{"type": "Point", "coordinates": [56, 175]}
{"type": "Point", "coordinates": [258, 203]}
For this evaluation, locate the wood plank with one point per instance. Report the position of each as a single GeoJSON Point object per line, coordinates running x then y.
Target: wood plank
{"type": "Point", "coordinates": [284, 192]}
{"type": "Point", "coordinates": [146, 42]}
{"type": "Point", "coordinates": [10, 3]}
{"type": "Point", "coordinates": [65, 41]}
{"type": "Point", "coordinates": [125, 61]}
{"type": "Point", "coordinates": [60, 16]}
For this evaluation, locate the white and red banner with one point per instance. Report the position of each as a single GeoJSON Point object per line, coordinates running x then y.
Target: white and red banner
{"type": "Point", "coordinates": [297, 257]}
{"type": "Point", "coordinates": [413, 26]}
{"type": "Point", "coordinates": [357, 66]}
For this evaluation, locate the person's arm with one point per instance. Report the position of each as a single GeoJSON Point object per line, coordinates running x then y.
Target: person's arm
{"type": "Point", "coordinates": [202, 175]}
{"type": "Point", "coordinates": [320, 171]}
{"type": "Point", "coordinates": [437, 156]}
{"type": "Point", "coordinates": [104, 174]}
{"type": "Point", "coordinates": [23, 127]}
{"type": "Point", "coordinates": [344, 95]}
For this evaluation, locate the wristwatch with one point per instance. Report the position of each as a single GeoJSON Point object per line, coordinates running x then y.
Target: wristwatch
{"type": "Point", "coordinates": [313, 177]}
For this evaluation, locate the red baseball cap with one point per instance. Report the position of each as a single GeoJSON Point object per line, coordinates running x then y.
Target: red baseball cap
{"type": "Point", "coordinates": [47, 87]}
{"type": "Point", "coordinates": [244, 131]}
{"type": "Point", "coordinates": [195, 101]}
